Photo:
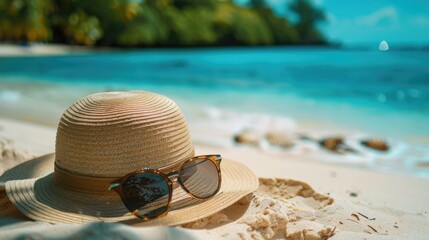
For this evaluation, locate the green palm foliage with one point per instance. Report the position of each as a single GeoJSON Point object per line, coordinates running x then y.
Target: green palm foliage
{"type": "Point", "coordinates": [82, 28]}
{"type": "Point", "coordinates": [161, 23]}
{"type": "Point", "coordinates": [308, 18]}
{"type": "Point", "coordinates": [24, 20]}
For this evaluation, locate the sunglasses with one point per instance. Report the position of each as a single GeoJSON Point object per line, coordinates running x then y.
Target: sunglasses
{"type": "Point", "coordinates": [147, 193]}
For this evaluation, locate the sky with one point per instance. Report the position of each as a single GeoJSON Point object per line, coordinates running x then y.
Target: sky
{"type": "Point", "coordinates": [371, 21]}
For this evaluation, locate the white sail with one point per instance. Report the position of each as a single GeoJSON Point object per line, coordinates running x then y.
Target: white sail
{"type": "Point", "coordinates": [383, 46]}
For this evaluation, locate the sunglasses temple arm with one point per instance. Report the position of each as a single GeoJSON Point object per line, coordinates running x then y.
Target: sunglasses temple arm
{"type": "Point", "coordinates": [113, 185]}
{"type": "Point", "coordinates": [218, 159]}
{"type": "Point", "coordinates": [174, 173]}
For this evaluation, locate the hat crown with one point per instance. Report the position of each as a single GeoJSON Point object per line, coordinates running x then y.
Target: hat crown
{"type": "Point", "coordinates": [114, 133]}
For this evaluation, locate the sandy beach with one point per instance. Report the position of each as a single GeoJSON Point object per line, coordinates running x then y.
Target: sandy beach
{"type": "Point", "coordinates": [41, 49]}
{"type": "Point", "coordinates": [297, 199]}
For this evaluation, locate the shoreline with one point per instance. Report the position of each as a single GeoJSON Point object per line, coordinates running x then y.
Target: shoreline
{"type": "Point", "coordinates": [41, 48]}
{"type": "Point", "coordinates": [17, 91]}
{"type": "Point", "coordinates": [58, 49]}
{"type": "Point", "coordinates": [49, 49]}
{"type": "Point", "coordinates": [296, 138]}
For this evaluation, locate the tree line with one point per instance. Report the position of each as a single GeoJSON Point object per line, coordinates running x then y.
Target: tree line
{"type": "Point", "coordinates": [158, 23]}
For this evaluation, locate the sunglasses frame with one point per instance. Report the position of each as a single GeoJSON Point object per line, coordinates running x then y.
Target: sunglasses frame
{"type": "Point", "coordinates": [117, 184]}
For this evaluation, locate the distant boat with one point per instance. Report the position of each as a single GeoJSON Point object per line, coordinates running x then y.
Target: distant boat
{"type": "Point", "coordinates": [383, 46]}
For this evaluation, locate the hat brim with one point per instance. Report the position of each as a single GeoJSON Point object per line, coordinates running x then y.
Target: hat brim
{"type": "Point", "coordinates": [35, 168]}
{"type": "Point", "coordinates": [40, 199]}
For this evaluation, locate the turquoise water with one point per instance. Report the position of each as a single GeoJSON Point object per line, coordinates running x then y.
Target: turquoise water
{"type": "Point", "coordinates": [384, 93]}
{"type": "Point", "coordinates": [323, 92]}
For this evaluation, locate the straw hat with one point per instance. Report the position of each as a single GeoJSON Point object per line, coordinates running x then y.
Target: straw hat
{"type": "Point", "coordinates": [105, 136]}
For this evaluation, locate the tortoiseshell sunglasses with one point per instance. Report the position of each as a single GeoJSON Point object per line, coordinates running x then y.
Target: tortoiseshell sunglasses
{"type": "Point", "coordinates": [147, 193]}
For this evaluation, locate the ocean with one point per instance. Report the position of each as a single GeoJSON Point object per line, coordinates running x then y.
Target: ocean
{"type": "Point", "coordinates": [374, 93]}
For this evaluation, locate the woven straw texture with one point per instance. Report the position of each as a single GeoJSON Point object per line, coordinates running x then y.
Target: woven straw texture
{"type": "Point", "coordinates": [105, 136]}
{"type": "Point", "coordinates": [112, 134]}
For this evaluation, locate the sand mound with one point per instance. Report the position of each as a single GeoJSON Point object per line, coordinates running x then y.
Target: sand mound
{"type": "Point", "coordinates": [275, 211]}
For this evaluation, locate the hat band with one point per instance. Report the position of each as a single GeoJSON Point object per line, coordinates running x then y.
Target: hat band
{"type": "Point", "coordinates": [91, 184]}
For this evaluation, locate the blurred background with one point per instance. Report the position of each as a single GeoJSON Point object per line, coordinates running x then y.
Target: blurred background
{"type": "Point", "coordinates": [331, 80]}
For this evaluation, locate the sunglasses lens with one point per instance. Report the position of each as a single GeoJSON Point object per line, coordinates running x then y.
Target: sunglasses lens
{"type": "Point", "coordinates": [200, 177]}
{"type": "Point", "coordinates": [148, 193]}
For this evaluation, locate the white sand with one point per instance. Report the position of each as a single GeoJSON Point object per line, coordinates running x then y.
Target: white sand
{"type": "Point", "coordinates": [317, 205]}
{"type": "Point", "coordinates": [13, 50]}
